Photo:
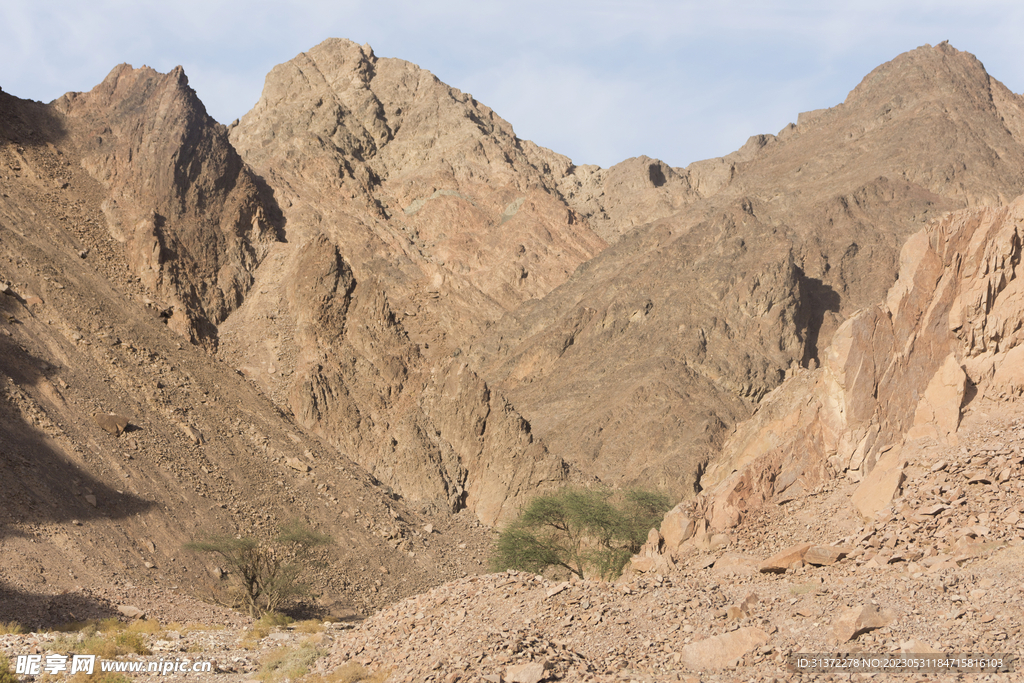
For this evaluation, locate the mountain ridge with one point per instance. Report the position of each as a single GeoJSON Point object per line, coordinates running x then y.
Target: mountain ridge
{"type": "Point", "coordinates": [382, 283]}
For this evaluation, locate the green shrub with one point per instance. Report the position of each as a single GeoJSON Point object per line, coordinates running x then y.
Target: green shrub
{"type": "Point", "coordinates": [580, 529]}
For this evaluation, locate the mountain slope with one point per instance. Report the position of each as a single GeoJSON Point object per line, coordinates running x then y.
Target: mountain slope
{"type": "Point", "coordinates": [95, 516]}
{"type": "Point", "coordinates": [635, 368]}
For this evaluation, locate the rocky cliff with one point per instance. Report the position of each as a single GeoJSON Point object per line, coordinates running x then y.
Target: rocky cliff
{"type": "Point", "coordinates": [896, 374]}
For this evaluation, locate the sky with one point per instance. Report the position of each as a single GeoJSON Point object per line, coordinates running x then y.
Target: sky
{"type": "Point", "coordinates": [597, 81]}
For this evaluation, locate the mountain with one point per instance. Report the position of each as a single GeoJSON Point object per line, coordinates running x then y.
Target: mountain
{"type": "Point", "coordinates": [638, 367]}
{"type": "Point", "coordinates": [369, 304]}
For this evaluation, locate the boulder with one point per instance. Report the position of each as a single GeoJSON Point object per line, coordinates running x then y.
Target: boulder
{"type": "Point", "coordinates": [881, 485]}
{"type": "Point", "coordinates": [780, 562]}
{"type": "Point", "coordinates": [736, 564]}
{"type": "Point", "coordinates": [857, 620]}
{"type": "Point", "coordinates": [297, 465]}
{"type": "Point", "coordinates": [131, 611]}
{"type": "Point", "coordinates": [938, 413]}
{"type": "Point", "coordinates": [676, 528]}
{"type": "Point", "coordinates": [721, 651]}
{"type": "Point", "coordinates": [531, 672]}
{"type": "Point", "coordinates": [821, 555]}
{"type": "Point", "coordinates": [193, 434]}
{"type": "Point", "coordinates": [112, 423]}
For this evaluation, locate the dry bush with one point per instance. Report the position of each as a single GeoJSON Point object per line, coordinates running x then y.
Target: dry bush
{"type": "Point", "coordinates": [109, 646]}
{"type": "Point", "coordinates": [310, 626]}
{"type": "Point", "coordinates": [350, 672]}
{"type": "Point", "coordinates": [289, 663]}
{"type": "Point", "coordinates": [267, 575]}
{"type": "Point", "coordinates": [149, 626]}
{"type": "Point", "coordinates": [6, 675]}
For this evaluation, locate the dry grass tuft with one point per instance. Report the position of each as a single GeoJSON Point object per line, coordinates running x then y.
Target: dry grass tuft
{"type": "Point", "coordinates": [289, 663]}
{"type": "Point", "coordinates": [11, 628]}
{"type": "Point", "coordinates": [350, 672]}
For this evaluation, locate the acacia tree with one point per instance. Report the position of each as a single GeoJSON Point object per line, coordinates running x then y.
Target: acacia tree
{"type": "Point", "coordinates": [266, 576]}
{"type": "Point", "coordinates": [578, 529]}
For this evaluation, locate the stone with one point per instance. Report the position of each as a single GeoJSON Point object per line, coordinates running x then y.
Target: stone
{"type": "Point", "coordinates": [531, 672]}
{"type": "Point", "coordinates": [858, 620]}
{"type": "Point", "coordinates": [807, 608]}
{"type": "Point", "coordinates": [981, 477]}
{"type": "Point", "coordinates": [822, 555]}
{"type": "Point", "coordinates": [297, 464]}
{"type": "Point", "coordinates": [881, 485]}
{"type": "Point", "coordinates": [131, 611]}
{"type": "Point", "coordinates": [719, 541]}
{"type": "Point", "coordinates": [737, 564]}
{"type": "Point", "coordinates": [721, 651]}
{"type": "Point", "coordinates": [676, 528]}
{"type": "Point", "coordinates": [555, 590]}
{"type": "Point", "coordinates": [780, 562]}
{"type": "Point", "coordinates": [112, 423]}
{"type": "Point", "coordinates": [938, 412]}
{"type": "Point", "coordinates": [917, 646]}
{"type": "Point", "coordinates": [193, 434]}
{"type": "Point", "coordinates": [90, 499]}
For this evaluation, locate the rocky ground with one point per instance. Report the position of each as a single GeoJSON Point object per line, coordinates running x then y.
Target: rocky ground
{"type": "Point", "coordinates": [939, 571]}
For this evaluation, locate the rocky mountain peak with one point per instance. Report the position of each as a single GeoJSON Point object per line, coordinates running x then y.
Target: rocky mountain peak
{"type": "Point", "coordinates": [926, 74]}
{"type": "Point", "coordinates": [180, 199]}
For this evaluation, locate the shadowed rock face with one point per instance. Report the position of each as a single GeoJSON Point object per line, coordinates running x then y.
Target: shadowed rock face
{"type": "Point", "coordinates": [119, 440]}
{"type": "Point", "coordinates": [902, 370]}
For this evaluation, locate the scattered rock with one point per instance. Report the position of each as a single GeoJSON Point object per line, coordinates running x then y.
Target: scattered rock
{"type": "Point", "coordinates": [531, 672]}
{"type": "Point", "coordinates": [823, 555]}
{"type": "Point", "coordinates": [857, 620]}
{"type": "Point", "coordinates": [297, 464]}
{"type": "Point", "coordinates": [131, 611]}
{"type": "Point", "coordinates": [780, 562]}
{"type": "Point", "coordinates": [192, 433]}
{"type": "Point", "coordinates": [112, 423]}
{"type": "Point", "coordinates": [721, 651]}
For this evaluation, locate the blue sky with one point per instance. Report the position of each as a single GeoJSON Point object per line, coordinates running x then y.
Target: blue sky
{"type": "Point", "coordinates": [597, 81]}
